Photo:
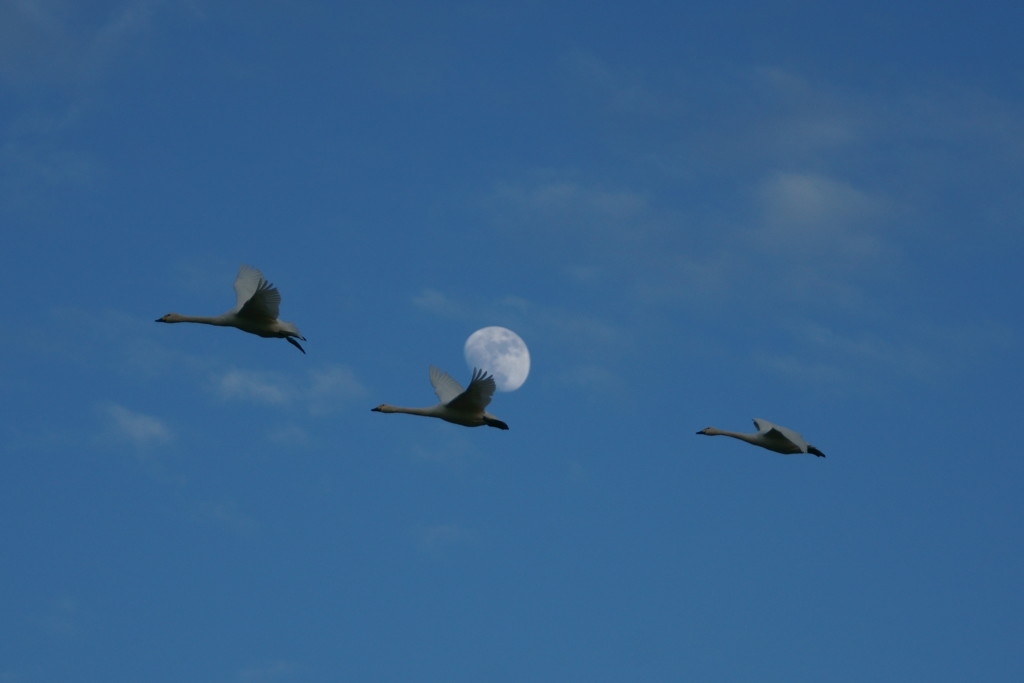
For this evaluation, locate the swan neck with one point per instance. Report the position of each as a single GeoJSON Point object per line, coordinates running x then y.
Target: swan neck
{"type": "Point", "coordinates": [203, 319]}
{"type": "Point", "coordinates": [749, 438]}
{"type": "Point", "coordinates": [426, 412]}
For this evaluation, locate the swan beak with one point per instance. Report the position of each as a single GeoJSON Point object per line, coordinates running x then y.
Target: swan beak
{"type": "Point", "coordinates": [374, 410]}
{"type": "Point", "coordinates": [159, 320]}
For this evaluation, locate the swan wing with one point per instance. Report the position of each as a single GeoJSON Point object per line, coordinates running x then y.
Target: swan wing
{"type": "Point", "coordinates": [477, 395]}
{"type": "Point", "coordinates": [255, 297]}
{"type": "Point", "coordinates": [445, 387]}
{"type": "Point", "coordinates": [775, 432]}
{"type": "Point", "coordinates": [246, 283]}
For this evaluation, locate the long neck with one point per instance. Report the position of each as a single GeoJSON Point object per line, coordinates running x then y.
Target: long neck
{"type": "Point", "coordinates": [426, 412]}
{"type": "Point", "coordinates": [204, 319]}
{"type": "Point", "coordinates": [749, 438]}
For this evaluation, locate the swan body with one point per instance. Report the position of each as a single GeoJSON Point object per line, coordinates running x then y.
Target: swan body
{"type": "Point", "coordinates": [458, 406]}
{"type": "Point", "coordinates": [256, 308]}
{"type": "Point", "coordinates": [770, 436]}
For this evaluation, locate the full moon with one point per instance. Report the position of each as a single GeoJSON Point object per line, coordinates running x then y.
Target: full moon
{"type": "Point", "coordinates": [501, 352]}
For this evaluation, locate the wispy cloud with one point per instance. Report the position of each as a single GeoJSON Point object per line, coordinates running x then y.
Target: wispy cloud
{"type": "Point", "coordinates": [67, 47]}
{"type": "Point", "coordinates": [272, 388]}
{"type": "Point", "coordinates": [522, 315]}
{"type": "Point", "coordinates": [800, 370]}
{"type": "Point", "coordinates": [572, 204]}
{"type": "Point", "coordinates": [64, 42]}
{"type": "Point", "coordinates": [617, 89]}
{"type": "Point", "coordinates": [291, 435]}
{"type": "Point", "coordinates": [591, 231]}
{"type": "Point", "coordinates": [580, 222]}
{"type": "Point", "coordinates": [798, 233]}
{"type": "Point", "coordinates": [450, 449]}
{"type": "Point", "coordinates": [331, 387]}
{"type": "Point", "coordinates": [808, 215]}
{"type": "Point", "coordinates": [438, 303]}
{"type": "Point", "coordinates": [135, 427]}
{"type": "Point", "coordinates": [320, 391]}
{"type": "Point", "coordinates": [856, 357]}
{"type": "Point", "coordinates": [806, 211]}
{"type": "Point", "coordinates": [810, 202]}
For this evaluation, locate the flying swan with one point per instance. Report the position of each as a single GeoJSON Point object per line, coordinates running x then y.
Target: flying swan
{"type": "Point", "coordinates": [255, 310]}
{"type": "Point", "coordinates": [457, 406]}
{"type": "Point", "coordinates": [770, 436]}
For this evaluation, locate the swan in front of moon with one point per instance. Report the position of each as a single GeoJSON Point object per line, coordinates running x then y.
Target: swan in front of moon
{"type": "Point", "coordinates": [461, 407]}
{"type": "Point", "coordinates": [770, 436]}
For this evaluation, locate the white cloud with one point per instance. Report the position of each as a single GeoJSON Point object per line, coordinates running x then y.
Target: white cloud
{"type": "Point", "coordinates": [291, 435]}
{"type": "Point", "coordinates": [68, 46]}
{"type": "Point", "coordinates": [321, 391]}
{"type": "Point", "coordinates": [810, 214]}
{"type": "Point", "coordinates": [858, 358]}
{"type": "Point", "coordinates": [798, 370]}
{"type": "Point", "coordinates": [907, 348]}
{"type": "Point", "coordinates": [67, 41]}
{"type": "Point", "coordinates": [449, 448]}
{"type": "Point", "coordinates": [137, 428]}
{"type": "Point", "coordinates": [819, 198]}
{"type": "Point", "coordinates": [437, 303]}
{"type": "Point", "coordinates": [617, 89]}
{"type": "Point", "coordinates": [810, 198]}
{"type": "Point", "coordinates": [271, 388]}
{"type": "Point", "coordinates": [565, 205]}
{"type": "Point", "coordinates": [331, 388]}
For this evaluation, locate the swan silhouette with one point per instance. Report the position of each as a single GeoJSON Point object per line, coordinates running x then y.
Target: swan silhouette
{"type": "Point", "coordinates": [255, 310]}
{"type": "Point", "coordinates": [770, 436]}
{"type": "Point", "coordinates": [458, 406]}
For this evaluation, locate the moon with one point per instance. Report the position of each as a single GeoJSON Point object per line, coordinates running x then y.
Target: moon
{"type": "Point", "coordinates": [501, 352]}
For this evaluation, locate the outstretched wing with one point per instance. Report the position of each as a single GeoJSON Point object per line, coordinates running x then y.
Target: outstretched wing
{"type": "Point", "coordinates": [444, 386]}
{"type": "Point", "coordinates": [255, 297]}
{"type": "Point", "coordinates": [780, 434]}
{"type": "Point", "coordinates": [477, 395]}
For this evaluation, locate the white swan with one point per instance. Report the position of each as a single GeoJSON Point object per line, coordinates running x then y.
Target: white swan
{"type": "Point", "coordinates": [255, 310]}
{"type": "Point", "coordinates": [457, 406]}
{"type": "Point", "coordinates": [770, 436]}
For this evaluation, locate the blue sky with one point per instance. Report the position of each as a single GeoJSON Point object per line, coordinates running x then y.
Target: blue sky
{"type": "Point", "coordinates": [803, 212]}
